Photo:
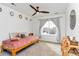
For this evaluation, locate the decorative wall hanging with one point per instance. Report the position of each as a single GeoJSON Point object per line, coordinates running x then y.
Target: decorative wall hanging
{"type": "Point", "coordinates": [20, 16]}
{"type": "Point", "coordinates": [26, 18]}
{"type": "Point", "coordinates": [30, 19]}
{"type": "Point", "coordinates": [11, 13]}
{"type": "Point", "coordinates": [0, 9]}
{"type": "Point", "coordinates": [72, 19]}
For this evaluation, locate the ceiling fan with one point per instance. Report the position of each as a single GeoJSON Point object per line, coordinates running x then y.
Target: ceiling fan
{"type": "Point", "coordinates": [37, 10]}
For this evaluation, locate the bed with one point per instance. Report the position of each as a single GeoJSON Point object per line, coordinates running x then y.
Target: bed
{"type": "Point", "coordinates": [14, 46]}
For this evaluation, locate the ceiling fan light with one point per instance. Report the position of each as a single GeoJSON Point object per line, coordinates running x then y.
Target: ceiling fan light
{"type": "Point", "coordinates": [37, 12]}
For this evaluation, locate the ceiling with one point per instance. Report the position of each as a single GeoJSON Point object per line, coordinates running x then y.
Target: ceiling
{"type": "Point", "coordinates": [53, 8]}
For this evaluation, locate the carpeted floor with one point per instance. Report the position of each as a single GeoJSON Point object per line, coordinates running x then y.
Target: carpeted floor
{"type": "Point", "coordinates": [38, 49]}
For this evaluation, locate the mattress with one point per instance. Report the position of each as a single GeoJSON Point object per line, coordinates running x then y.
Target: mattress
{"type": "Point", "coordinates": [18, 43]}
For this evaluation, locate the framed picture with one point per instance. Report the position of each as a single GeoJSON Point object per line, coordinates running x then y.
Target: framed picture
{"type": "Point", "coordinates": [20, 16]}
{"type": "Point", "coordinates": [11, 13]}
{"type": "Point", "coordinates": [30, 19]}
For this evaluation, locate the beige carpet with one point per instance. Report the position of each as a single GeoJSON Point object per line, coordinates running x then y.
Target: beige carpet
{"type": "Point", "coordinates": [39, 49]}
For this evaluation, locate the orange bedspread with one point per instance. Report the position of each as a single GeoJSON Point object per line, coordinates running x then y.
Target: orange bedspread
{"type": "Point", "coordinates": [18, 43]}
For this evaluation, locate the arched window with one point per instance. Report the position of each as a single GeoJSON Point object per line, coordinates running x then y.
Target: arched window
{"type": "Point", "coordinates": [48, 28]}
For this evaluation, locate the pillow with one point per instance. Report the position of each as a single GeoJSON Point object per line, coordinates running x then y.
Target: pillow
{"type": "Point", "coordinates": [15, 39]}
{"type": "Point", "coordinates": [14, 36]}
{"type": "Point", "coordinates": [31, 34]}
{"type": "Point", "coordinates": [22, 36]}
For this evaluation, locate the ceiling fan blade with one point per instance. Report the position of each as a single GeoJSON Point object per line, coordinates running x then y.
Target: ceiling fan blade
{"type": "Point", "coordinates": [44, 12]}
{"type": "Point", "coordinates": [34, 13]}
{"type": "Point", "coordinates": [13, 4]}
{"type": "Point", "coordinates": [32, 7]}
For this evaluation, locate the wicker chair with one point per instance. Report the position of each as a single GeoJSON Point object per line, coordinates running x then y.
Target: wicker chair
{"type": "Point", "coordinates": [68, 45]}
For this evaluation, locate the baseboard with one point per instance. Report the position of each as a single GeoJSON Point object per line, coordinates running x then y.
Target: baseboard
{"type": "Point", "coordinates": [48, 42]}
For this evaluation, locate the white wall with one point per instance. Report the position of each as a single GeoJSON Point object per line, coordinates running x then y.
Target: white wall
{"type": "Point", "coordinates": [74, 32]}
{"type": "Point", "coordinates": [12, 23]}
{"type": "Point", "coordinates": [35, 25]}
{"type": "Point", "coordinates": [62, 26]}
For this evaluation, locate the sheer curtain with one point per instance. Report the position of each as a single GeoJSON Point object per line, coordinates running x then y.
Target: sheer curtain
{"type": "Point", "coordinates": [49, 30]}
